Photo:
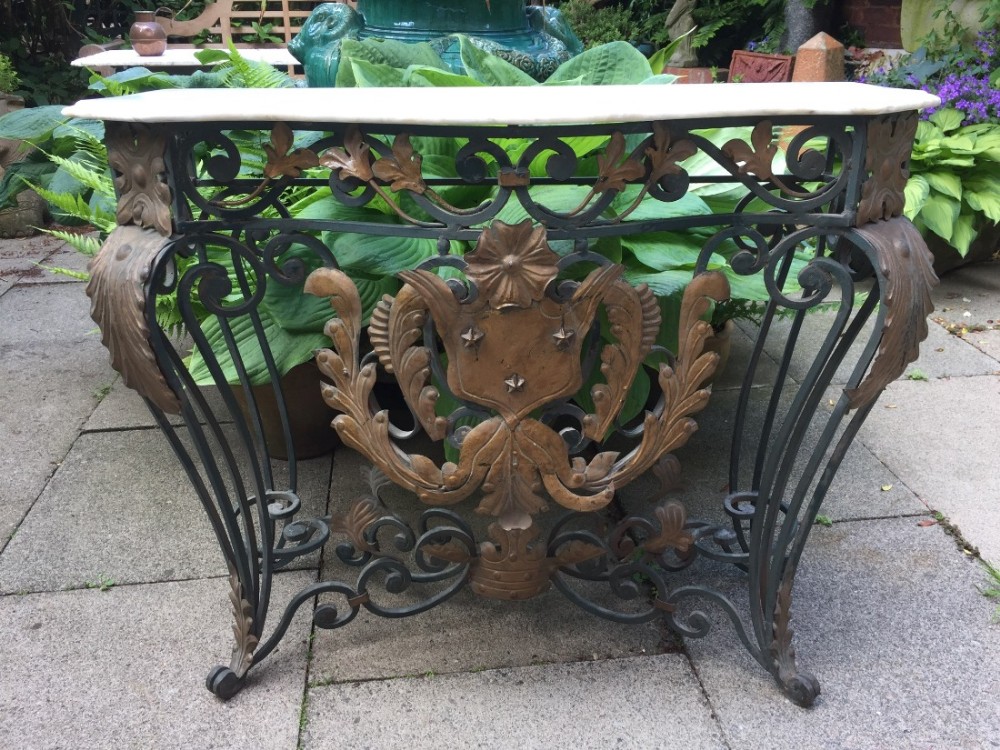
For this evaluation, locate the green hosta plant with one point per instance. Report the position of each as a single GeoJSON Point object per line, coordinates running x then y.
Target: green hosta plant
{"type": "Point", "coordinates": [954, 185]}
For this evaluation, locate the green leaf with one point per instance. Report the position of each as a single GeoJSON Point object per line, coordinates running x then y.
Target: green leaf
{"type": "Point", "coordinates": [488, 68]}
{"type": "Point", "coordinates": [374, 256]}
{"type": "Point", "coordinates": [604, 65]}
{"type": "Point", "coordinates": [964, 234]}
{"type": "Point", "coordinates": [915, 195]}
{"type": "Point", "coordinates": [945, 182]}
{"type": "Point", "coordinates": [211, 56]}
{"type": "Point", "coordinates": [384, 52]}
{"type": "Point", "coordinates": [287, 349]}
{"type": "Point", "coordinates": [947, 119]}
{"type": "Point", "coordinates": [663, 283]}
{"type": "Point", "coordinates": [34, 124]}
{"type": "Point", "coordinates": [939, 214]}
{"type": "Point", "coordinates": [663, 251]}
{"type": "Point", "coordinates": [424, 76]}
{"type": "Point", "coordinates": [375, 75]}
{"type": "Point", "coordinates": [987, 203]}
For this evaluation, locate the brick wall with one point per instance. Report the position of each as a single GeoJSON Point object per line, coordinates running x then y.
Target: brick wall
{"type": "Point", "coordinates": [878, 20]}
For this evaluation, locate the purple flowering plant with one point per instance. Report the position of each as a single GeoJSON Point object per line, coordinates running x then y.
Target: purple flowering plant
{"type": "Point", "coordinates": [954, 186]}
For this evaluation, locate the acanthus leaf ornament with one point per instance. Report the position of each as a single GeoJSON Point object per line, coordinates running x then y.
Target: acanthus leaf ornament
{"type": "Point", "coordinates": [614, 169]}
{"type": "Point", "coordinates": [887, 167]}
{"type": "Point", "coordinates": [664, 155]}
{"type": "Point", "coordinates": [757, 157]}
{"type": "Point", "coordinates": [354, 160]}
{"type": "Point", "coordinates": [136, 154]}
{"type": "Point", "coordinates": [402, 170]}
{"type": "Point", "coordinates": [282, 159]}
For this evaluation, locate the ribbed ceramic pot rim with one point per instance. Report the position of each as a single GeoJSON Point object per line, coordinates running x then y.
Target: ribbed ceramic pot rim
{"type": "Point", "coordinates": [444, 16]}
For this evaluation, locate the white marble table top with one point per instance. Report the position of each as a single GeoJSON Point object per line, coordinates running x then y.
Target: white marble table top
{"type": "Point", "coordinates": [528, 105]}
{"type": "Point", "coordinates": [175, 58]}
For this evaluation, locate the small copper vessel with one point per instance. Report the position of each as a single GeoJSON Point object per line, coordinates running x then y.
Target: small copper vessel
{"type": "Point", "coordinates": [147, 36]}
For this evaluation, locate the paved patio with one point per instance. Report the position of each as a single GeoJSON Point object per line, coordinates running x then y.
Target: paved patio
{"type": "Point", "coordinates": [114, 603]}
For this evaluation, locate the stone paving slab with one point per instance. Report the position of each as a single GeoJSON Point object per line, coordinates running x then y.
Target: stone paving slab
{"type": "Point", "coordinates": [52, 370]}
{"type": "Point", "coordinates": [969, 298]}
{"type": "Point", "coordinates": [652, 702]}
{"type": "Point", "coordinates": [943, 439]}
{"type": "Point", "coordinates": [857, 490]}
{"type": "Point", "coordinates": [887, 616]}
{"type": "Point", "coordinates": [19, 258]}
{"type": "Point", "coordinates": [941, 354]}
{"type": "Point", "coordinates": [126, 668]}
{"type": "Point", "coordinates": [732, 374]}
{"type": "Point", "coordinates": [121, 507]}
{"type": "Point", "coordinates": [124, 409]}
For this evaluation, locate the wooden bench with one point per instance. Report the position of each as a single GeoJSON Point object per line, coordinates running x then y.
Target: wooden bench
{"type": "Point", "coordinates": [231, 20]}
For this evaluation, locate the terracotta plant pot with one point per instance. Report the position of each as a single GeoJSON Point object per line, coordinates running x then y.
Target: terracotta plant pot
{"type": "Point", "coordinates": [309, 416]}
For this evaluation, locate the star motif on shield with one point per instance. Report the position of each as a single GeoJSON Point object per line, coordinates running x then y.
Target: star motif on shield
{"type": "Point", "coordinates": [564, 337]}
{"type": "Point", "coordinates": [515, 383]}
{"type": "Point", "coordinates": [471, 337]}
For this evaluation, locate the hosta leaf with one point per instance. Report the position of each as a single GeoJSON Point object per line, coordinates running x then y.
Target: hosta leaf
{"type": "Point", "coordinates": [939, 214]}
{"type": "Point", "coordinates": [987, 203]}
{"type": "Point", "coordinates": [375, 256]}
{"type": "Point", "coordinates": [607, 64]}
{"type": "Point", "coordinates": [663, 283]}
{"type": "Point", "coordinates": [488, 68]}
{"type": "Point", "coordinates": [947, 119]}
{"type": "Point", "coordinates": [948, 183]}
{"type": "Point", "coordinates": [425, 76]}
{"type": "Point", "coordinates": [288, 349]}
{"type": "Point", "coordinates": [915, 195]}
{"type": "Point", "coordinates": [662, 251]}
{"type": "Point", "coordinates": [964, 234]}
{"type": "Point", "coordinates": [375, 75]}
{"type": "Point", "coordinates": [34, 124]}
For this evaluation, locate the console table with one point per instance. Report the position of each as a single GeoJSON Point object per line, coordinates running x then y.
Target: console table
{"type": "Point", "coordinates": [489, 348]}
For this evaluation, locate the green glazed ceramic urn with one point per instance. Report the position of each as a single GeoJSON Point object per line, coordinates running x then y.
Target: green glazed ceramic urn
{"type": "Point", "coordinates": [535, 39]}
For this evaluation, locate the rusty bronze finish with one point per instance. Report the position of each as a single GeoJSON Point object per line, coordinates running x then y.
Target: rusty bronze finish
{"type": "Point", "coordinates": [511, 455]}
{"type": "Point", "coordinates": [906, 267]}
{"type": "Point", "coordinates": [117, 290]}
{"type": "Point", "coordinates": [136, 154]}
{"type": "Point", "coordinates": [356, 521]}
{"type": "Point", "coordinates": [887, 166]}
{"type": "Point", "coordinates": [245, 640]}
{"type": "Point", "coordinates": [801, 687]}
{"type": "Point", "coordinates": [514, 565]}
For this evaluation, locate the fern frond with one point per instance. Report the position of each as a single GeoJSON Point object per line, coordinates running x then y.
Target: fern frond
{"type": "Point", "coordinates": [60, 271]}
{"type": "Point", "coordinates": [85, 244]}
{"type": "Point", "coordinates": [75, 205]}
{"type": "Point", "coordinates": [86, 173]}
{"type": "Point", "coordinates": [253, 74]}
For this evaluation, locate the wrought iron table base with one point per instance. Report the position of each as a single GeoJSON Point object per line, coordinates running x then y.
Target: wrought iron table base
{"type": "Point", "coordinates": [219, 242]}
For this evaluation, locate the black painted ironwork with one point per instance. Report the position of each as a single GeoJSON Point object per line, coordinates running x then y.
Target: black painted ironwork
{"type": "Point", "coordinates": [234, 226]}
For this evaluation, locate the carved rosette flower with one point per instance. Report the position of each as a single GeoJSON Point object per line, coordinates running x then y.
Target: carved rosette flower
{"type": "Point", "coordinates": [512, 264]}
{"type": "Point", "coordinates": [136, 154]}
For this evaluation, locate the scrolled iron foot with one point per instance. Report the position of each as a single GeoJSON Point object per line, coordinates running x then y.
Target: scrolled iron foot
{"type": "Point", "coordinates": [802, 688]}
{"type": "Point", "coordinates": [223, 683]}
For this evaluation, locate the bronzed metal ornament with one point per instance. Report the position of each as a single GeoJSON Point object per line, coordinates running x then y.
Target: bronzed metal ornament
{"type": "Point", "coordinates": [522, 362]}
